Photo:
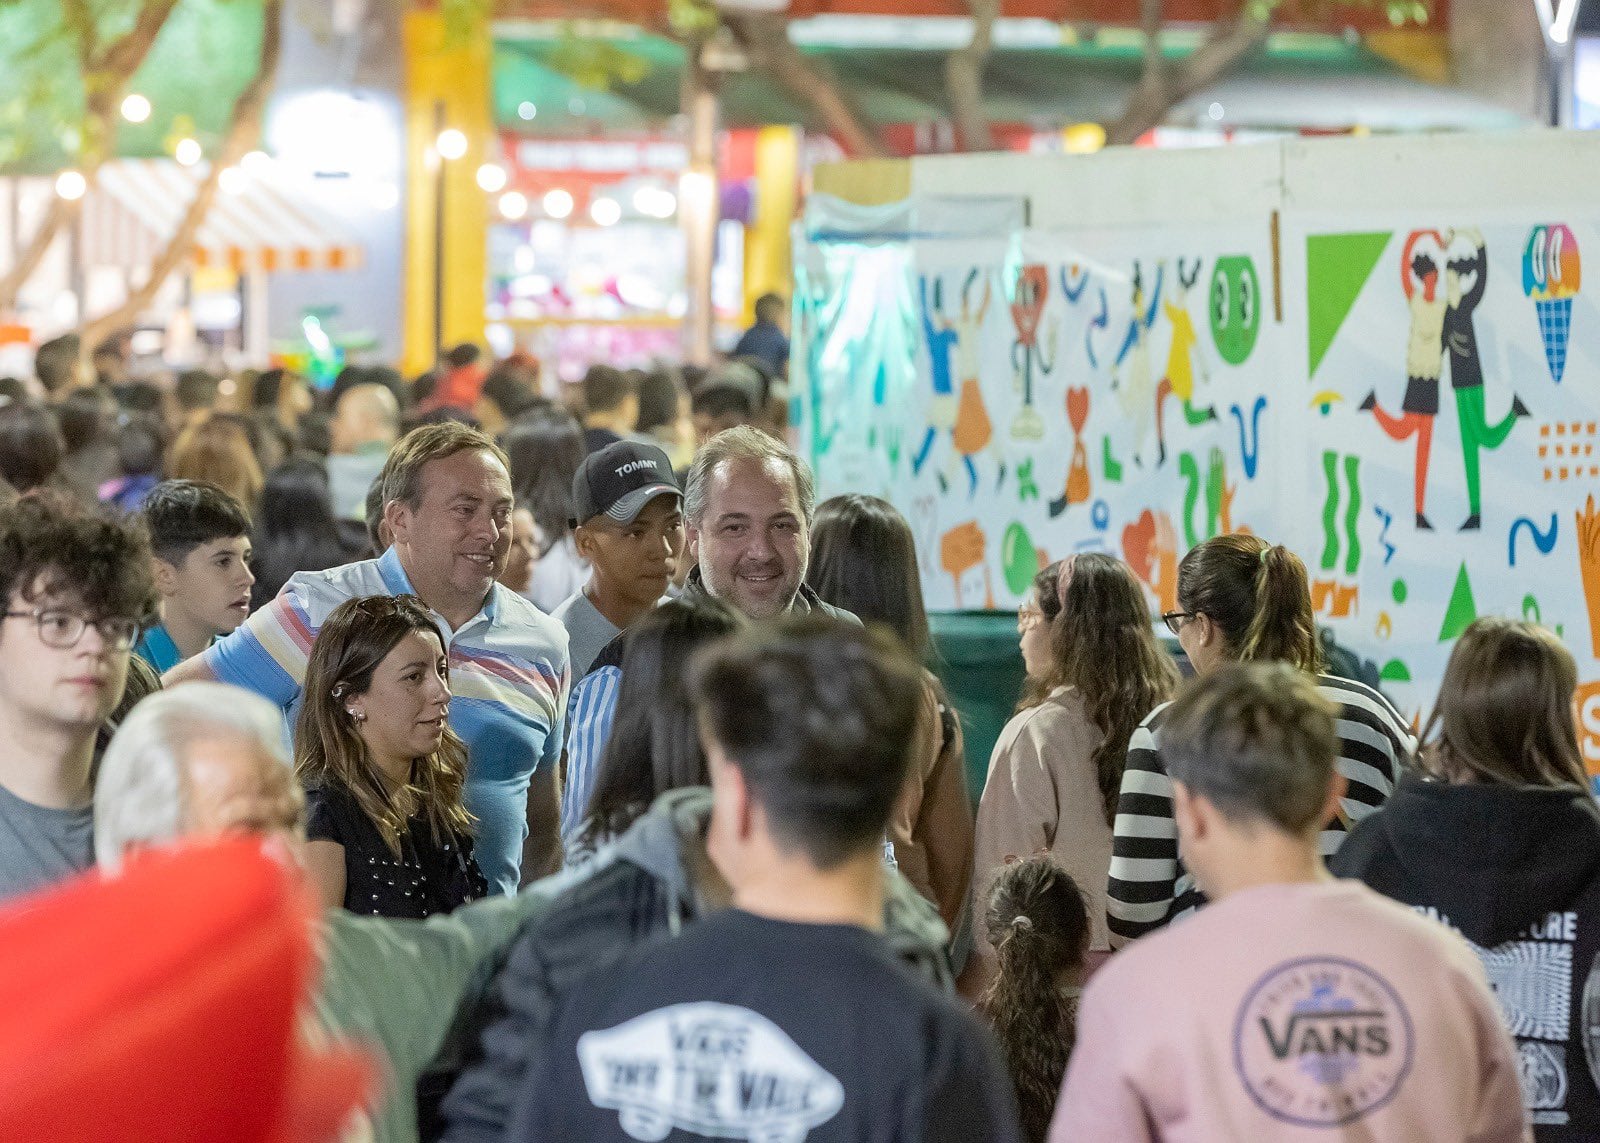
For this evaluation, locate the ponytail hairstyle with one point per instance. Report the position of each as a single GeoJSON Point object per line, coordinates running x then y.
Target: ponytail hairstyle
{"type": "Point", "coordinates": [1258, 595]}
{"type": "Point", "coordinates": [1504, 713]}
{"type": "Point", "coordinates": [1103, 643]}
{"type": "Point", "coordinates": [1038, 923]}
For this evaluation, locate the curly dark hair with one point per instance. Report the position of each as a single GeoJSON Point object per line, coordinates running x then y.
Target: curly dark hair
{"type": "Point", "coordinates": [1102, 643]}
{"type": "Point", "coordinates": [51, 546]}
{"type": "Point", "coordinates": [1039, 926]}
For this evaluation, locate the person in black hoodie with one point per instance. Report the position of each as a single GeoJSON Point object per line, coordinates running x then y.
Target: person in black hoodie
{"type": "Point", "coordinates": [1499, 838]}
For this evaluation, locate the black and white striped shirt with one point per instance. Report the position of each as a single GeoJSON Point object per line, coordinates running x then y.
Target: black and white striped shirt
{"type": "Point", "coordinates": [1148, 885]}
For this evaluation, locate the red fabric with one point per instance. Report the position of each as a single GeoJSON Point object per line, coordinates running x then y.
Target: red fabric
{"type": "Point", "coordinates": [458, 389]}
{"type": "Point", "coordinates": [162, 1003]}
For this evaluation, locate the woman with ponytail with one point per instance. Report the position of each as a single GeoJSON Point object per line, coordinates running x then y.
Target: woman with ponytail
{"type": "Point", "coordinates": [1240, 599]}
{"type": "Point", "coordinates": [1094, 670]}
{"type": "Point", "coordinates": [1037, 922]}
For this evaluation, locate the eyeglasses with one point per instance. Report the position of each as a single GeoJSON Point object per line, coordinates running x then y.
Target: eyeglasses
{"type": "Point", "coordinates": [1174, 620]}
{"type": "Point", "coordinates": [63, 629]}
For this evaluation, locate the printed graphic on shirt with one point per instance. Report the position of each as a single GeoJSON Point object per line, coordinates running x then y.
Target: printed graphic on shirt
{"type": "Point", "coordinates": [1322, 1041]}
{"type": "Point", "coordinates": [714, 1069]}
{"type": "Point", "coordinates": [1531, 978]}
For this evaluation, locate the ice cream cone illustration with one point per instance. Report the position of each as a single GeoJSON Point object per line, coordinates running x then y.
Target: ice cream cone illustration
{"type": "Point", "coordinates": [1552, 275]}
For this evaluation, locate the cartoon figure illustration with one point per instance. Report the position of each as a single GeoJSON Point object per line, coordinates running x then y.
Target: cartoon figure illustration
{"type": "Point", "coordinates": [1235, 308]}
{"type": "Point", "coordinates": [966, 417]}
{"type": "Point", "coordinates": [1552, 275]}
{"type": "Point", "coordinates": [1136, 391]}
{"type": "Point", "coordinates": [1466, 277]}
{"type": "Point", "coordinates": [1027, 310]}
{"type": "Point", "coordinates": [1181, 359]}
{"type": "Point", "coordinates": [1078, 480]}
{"type": "Point", "coordinates": [1074, 282]}
{"type": "Point", "coordinates": [1421, 276]}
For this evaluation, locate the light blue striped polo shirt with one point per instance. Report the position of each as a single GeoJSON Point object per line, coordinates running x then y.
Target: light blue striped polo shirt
{"type": "Point", "coordinates": [508, 682]}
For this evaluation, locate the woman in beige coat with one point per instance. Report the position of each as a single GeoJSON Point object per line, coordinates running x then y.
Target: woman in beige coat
{"type": "Point", "coordinates": [1094, 670]}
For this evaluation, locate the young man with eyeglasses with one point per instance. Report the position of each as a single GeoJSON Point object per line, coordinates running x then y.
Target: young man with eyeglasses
{"type": "Point", "coordinates": [75, 587]}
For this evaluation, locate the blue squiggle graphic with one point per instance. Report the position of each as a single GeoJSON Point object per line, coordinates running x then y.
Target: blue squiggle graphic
{"type": "Point", "coordinates": [1250, 441]}
{"type": "Point", "coordinates": [1383, 535]}
{"type": "Point", "coordinates": [1544, 541]}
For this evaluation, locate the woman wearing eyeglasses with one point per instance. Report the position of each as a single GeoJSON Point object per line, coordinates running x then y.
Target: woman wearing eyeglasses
{"type": "Point", "coordinates": [387, 833]}
{"type": "Point", "coordinates": [1240, 599]}
{"type": "Point", "coordinates": [1094, 669]}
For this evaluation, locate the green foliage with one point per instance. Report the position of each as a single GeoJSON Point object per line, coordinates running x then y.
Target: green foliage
{"type": "Point", "coordinates": [205, 54]}
{"type": "Point", "coordinates": [1399, 12]}
{"type": "Point", "coordinates": [595, 63]}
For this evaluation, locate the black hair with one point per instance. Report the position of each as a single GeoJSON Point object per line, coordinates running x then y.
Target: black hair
{"type": "Point", "coordinates": [605, 387]}
{"type": "Point", "coordinates": [374, 515]}
{"type": "Point", "coordinates": [49, 545]}
{"type": "Point", "coordinates": [140, 397]}
{"type": "Point", "coordinates": [269, 384]}
{"type": "Point", "coordinates": [1038, 924]}
{"type": "Point", "coordinates": [295, 528]}
{"type": "Point", "coordinates": [720, 398]}
{"type": "Point", "coordinates": [84, 416]}
{"type": "Point", "coordinates": [12, 389]}
{"type": "Point", "coordinates": [654, 744]}
{"type": "Point", "coordinates": [180, 515]}
{"type": "Point", "coordinates": [545, 448]}
{"type": "Point", "coordinates": [769, 307]}
{"type": "Point", "coordinates": [56, 361]}
{"type": "Point", "coordinates": [197, 389]}
{"type": "Point", "coordinates": [659, 393]}
{"type": "Point", "coordinates": [510, 394]}
{"type": "Point", "coordinates": [31, 447]}
{"type": "Point", "coordinates": [141, 443]}
{"type": "Point", "coordinates": [818, 716]}
{"type": "Point", "coordinates": [464, 354]}
{"type": "Point", "coordinates": [864, 559]}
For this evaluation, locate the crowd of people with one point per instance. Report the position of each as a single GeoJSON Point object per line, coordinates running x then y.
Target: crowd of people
{"type": "Point", "coordinates": [631, 808]}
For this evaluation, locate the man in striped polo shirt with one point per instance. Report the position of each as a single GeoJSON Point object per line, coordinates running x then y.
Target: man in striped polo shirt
{"type": "Point", "coordinates": [447, 501]}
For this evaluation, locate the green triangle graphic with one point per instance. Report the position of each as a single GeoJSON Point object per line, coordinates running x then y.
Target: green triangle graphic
{"type": "Point", "coordinates": [1337, 266]}
{"type": "Point", "coordinates": [1462, 610]}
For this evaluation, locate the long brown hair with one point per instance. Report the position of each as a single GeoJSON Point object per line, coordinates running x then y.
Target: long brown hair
{"type": "Point", "coordinates": [1102, 643]}
{"type": "Point", "coordinates": [218, 450]}
{"type": "Point", "coordinates": [864, 559]}
{"type": "Point", "coordinates": [1258, 595]}
{"type": "Point", "coordinates": [1504, 712]}
{"type": "Point", "coordinates": [328, 748]}
{"type": "Point", "coordinates": [1039, 925]}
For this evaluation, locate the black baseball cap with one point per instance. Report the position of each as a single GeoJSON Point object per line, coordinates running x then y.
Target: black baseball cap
{"type": "Point", "coordinates": [619, 480]}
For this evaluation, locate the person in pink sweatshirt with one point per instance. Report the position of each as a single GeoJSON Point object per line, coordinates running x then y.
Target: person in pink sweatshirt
{"type": "Point", "coordinates": [1296, 1007]}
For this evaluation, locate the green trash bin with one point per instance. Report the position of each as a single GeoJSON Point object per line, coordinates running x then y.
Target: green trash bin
{"type": "Point", "coordinates": [975, 655]}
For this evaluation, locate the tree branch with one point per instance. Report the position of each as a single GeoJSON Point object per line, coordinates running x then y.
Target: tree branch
{"type": "Point", "coordinates": [963, 77]}
{"type": "Point", "coordinates": [1162, 87]}
{"type": "Point", "coordinates": [244, 129]}
{"type": "Point", "coordinates": [766, 38]}
{"type": "Point", "coordinates": [106, 75]}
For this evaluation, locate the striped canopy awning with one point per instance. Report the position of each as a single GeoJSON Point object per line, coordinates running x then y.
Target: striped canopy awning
{"type": "Point", "coordinates": [136, 205]}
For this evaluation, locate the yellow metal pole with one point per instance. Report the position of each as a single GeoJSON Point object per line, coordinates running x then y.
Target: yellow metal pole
{"type": "Point", "coordinates": [447, 83]}
{"type": "Point", "coordinates": [766, 250]}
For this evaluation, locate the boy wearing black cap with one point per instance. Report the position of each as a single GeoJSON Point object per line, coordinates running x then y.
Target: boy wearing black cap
{"type": "Point", "coordinates": [629, 526]}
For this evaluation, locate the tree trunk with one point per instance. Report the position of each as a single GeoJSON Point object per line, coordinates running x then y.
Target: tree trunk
{"type": "Point", "coordinates": [244, 130]}
{"type": "Point", "coordinates": [106, 75]}
{"type": "Point", "coordinates": [766, 38]}
{"type": "Point", "coordinates": [1163, 86]}
{"type": "Point", "coordinates": [963, 78]}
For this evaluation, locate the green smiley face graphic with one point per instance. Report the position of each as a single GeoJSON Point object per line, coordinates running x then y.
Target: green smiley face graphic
{"type": "Point", "coordinates": [1235, 308]}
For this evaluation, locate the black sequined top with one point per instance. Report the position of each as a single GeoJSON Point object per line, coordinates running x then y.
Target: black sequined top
{"type": "Point", "coordinates": [428, 877]}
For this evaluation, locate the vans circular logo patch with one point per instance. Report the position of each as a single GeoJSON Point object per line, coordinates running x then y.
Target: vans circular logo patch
{"type": "Point", "coordinates": [1322, 1041]}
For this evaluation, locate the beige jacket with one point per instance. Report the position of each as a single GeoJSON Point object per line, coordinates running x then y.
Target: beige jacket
{"type": "Point", "coordinates": [1042, 796]}
{"type": "Point", "coordinates": [932, 825]}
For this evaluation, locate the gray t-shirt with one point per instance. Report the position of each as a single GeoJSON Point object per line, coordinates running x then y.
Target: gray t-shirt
{"type": "Point", "coordinates": [40, 846]}
{"type": "Point", "coordinates": [587, 631]}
